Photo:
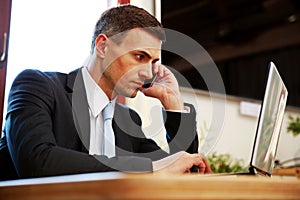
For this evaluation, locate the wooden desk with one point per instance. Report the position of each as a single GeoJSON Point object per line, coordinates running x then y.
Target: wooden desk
{"type": "Point", "coordinates": [148, 186]}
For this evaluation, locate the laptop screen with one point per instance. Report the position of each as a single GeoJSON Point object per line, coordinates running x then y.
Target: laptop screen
{"type": "Point", "coordinates": [269, 124]}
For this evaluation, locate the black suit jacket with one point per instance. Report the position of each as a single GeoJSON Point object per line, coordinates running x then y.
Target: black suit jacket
{"type": "Point", "coordinates": [47, 130]}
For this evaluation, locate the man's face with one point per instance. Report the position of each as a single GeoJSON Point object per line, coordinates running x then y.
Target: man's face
{"type": "Point", "coordinates": [130, 63]}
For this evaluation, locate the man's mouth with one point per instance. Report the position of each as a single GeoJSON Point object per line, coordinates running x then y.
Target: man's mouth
{"type": "Point", "coordinates": [138, 84]}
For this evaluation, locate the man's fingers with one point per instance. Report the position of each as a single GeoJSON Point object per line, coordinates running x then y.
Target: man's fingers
{"type": "Point", "coordinates": [207, 168]}
{"type": "Point", "coordinates": [202, 163]}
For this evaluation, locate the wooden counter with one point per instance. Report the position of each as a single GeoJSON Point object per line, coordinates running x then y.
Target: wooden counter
{"type": "Point", "coordinates": [148, 186]}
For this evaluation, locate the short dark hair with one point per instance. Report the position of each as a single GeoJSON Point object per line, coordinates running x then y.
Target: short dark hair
{"type": "Point", "coordinates": [124, 18]}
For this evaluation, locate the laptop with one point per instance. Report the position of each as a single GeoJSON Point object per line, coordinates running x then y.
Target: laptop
{"type": "Point", "coordinates": [269, 125]}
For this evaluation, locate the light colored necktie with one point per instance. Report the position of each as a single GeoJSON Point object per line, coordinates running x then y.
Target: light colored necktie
{"type": "Point", "coordinates": [109, 137]}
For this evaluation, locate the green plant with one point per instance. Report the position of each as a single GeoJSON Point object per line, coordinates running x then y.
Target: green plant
{"type": "Point", "coordinates": [294, 125]}
{"type": "Point", "coordinates": [223, 163]}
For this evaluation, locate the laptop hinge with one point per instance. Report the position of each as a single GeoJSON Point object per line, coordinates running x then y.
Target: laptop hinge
{"type": "Point", "coordinates": [256, 171]}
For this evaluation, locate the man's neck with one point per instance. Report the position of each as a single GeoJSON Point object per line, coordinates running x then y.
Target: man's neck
{"type": "Point", "coordinates": [95, 70]}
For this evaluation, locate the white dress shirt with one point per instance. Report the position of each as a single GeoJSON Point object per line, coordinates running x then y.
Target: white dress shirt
{"type": "Point", "coordinates": [97, 100]}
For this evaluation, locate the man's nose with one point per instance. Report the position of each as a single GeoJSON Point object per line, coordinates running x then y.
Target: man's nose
{"type": "Point", "coordinates": [146, 72]}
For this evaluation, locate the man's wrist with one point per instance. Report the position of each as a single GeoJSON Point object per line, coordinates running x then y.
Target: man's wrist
{"type": "Point", "coordinates": [164, 163]}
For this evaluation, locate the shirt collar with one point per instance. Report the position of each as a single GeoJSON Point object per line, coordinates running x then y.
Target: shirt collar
{"type": "Point", "coordinates": [97, 99]}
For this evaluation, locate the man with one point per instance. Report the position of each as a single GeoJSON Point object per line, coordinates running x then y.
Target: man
{"type": "Point", "coordinates": [55, 122]}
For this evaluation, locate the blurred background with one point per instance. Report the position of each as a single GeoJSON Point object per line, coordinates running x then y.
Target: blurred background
{"type": "Point", "coordinates": [241, 37]}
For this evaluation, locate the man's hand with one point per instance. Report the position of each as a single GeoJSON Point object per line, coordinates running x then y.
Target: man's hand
{"type": "Point", "coordinates": [182, 162]}
{"type": "Point", "coordinates": [165, 88]}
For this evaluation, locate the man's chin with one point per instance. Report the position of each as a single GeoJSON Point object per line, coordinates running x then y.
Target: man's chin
{"type": "Point", "coordinates": [134, 94]}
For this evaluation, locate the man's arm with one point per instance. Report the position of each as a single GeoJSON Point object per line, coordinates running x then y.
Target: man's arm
{"type": "Point", "coordinates": [181, 130]}
{"type": "Point", "coordinates": [180, 125]}
{"type": "Point", "coordinates": [182, 162]}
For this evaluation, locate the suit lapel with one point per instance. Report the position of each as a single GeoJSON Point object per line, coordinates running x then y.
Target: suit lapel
{"type": "Point", "coordinates": [77, 96]}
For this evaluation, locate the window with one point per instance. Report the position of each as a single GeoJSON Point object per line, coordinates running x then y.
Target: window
{"type": "Point", "coordinates": [50, 35]}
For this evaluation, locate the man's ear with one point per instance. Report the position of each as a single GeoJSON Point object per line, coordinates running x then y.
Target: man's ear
{"type": "Point", "coordinates": [101, 42]}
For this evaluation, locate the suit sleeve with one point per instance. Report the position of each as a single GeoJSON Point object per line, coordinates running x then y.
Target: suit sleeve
{"type": "Point", "coordinates": [32, 143]}
{"type": "Point", "coordinates": [181, 130]}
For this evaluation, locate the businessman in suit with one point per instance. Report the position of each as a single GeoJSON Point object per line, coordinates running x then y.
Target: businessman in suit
{"type": "Point", "coordinates": [55, 122]}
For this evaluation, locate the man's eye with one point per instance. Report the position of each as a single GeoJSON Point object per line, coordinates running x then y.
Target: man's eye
{"type": "Point", "coordinates": [139, 56]}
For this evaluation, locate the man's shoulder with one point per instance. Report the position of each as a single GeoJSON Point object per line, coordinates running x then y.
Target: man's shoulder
{"type": "Point", "coordinates": [38, 81]}
{"type": "Point", "coordinates": [38, 75]}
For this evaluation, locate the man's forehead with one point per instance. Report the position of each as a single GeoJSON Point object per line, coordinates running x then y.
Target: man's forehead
{"type": "Point", "coordinates": [139, 39]}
